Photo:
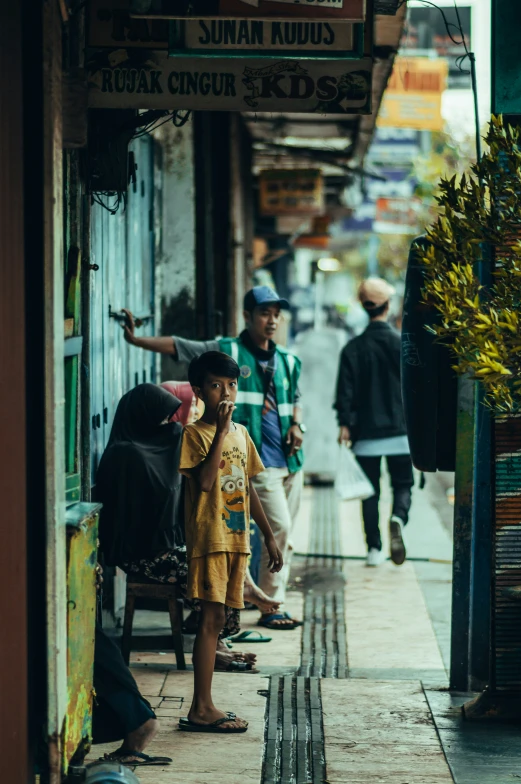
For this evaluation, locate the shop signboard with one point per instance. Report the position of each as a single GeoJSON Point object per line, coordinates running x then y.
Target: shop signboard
{"type": "Point", "coordinates": [397, 216]}
{"type": "Point", "coordinates": [394, 146]}
{"type": "Point", "coordinates": [427, 31]}
{"type": "Point", "coordinates": [142, 79]}
{"type": "Point", "coordinates": [413, 95]}
{"type": "Point", "coordinates": [291, 192]}
{"type": "Point", "coordinates": [397, 188]}
{"type": "Point", "coordinates": [111, 25]}
{"type": "Point", "coordinates": [340, 10]}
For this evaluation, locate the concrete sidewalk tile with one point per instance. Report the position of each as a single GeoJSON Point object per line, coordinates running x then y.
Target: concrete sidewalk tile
{"type": "Point", "coordinates": [388, 625]}
{"type": "Point", "coordinates": [150, 682]}
{"type": "Point", "coordinates": [383, 731]}
{"type": "Point", "coordinates": [284, 648]}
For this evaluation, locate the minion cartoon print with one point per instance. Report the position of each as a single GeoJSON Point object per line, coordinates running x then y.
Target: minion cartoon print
{"type": "Point", "coordinates": [233, 490]}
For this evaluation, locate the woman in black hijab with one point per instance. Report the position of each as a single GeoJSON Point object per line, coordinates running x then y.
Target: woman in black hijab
{"type": "Point", "coordinates": [138, 483]}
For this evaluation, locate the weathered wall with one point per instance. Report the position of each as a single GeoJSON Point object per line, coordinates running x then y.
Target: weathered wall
{"type": "Point", "coordinates": [176, 272]}
{"type": "Point", "coordinates": [13, 557]}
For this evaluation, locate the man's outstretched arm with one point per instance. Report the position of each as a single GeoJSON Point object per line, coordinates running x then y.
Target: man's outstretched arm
{"type": "Point", "coordinates": [161, 345]}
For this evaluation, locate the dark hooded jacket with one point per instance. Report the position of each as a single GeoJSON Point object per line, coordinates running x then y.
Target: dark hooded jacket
{"type": "Point", "coordinates": [138, 481]}
{"type": "Point", "coordinates": [368, 395]}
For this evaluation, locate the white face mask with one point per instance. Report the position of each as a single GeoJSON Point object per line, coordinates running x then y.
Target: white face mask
{"type": "Point", "coordinates": [165, 421]}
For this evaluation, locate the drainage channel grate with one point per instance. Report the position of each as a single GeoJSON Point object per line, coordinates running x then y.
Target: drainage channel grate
{"type": "Point", "coordinates": [295, 746]}
{"type": "Point", "coordinates": [294, 750]}
{"type": "Point", "coordinates": [324, 541]}
{"type": "Point", "coordinates": [324, 647]}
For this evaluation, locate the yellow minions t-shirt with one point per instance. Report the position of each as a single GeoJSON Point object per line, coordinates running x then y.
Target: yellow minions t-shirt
{"type": "Point", "coordinates": [218, 521]}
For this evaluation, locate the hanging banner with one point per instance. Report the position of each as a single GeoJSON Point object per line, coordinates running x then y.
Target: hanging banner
{"type": "Point", "coordinates": [116, 28]}
{"type": "Point", "coordinates": [291, 192]}
{"type": "Point", "coordinates": [341, 10]}
{"type": "Point", "coordinates": [412, 98]}
{"type": "Point", "coordinates": [397, 216]}
{"type": "Point", "coordinates": [111, 25]}
{"type": "Point", "coordinates": [139, 79]}
{"type": "Point", "coordinates": [211, 34]}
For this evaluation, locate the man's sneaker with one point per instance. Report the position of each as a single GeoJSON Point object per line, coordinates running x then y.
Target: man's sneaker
{"type": "Point", "coordinates": [375, 557]}
{"type": "Point", "coordinates": [398, 551]}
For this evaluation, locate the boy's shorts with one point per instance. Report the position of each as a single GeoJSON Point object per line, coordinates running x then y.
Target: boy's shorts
{"type": "Point", "coordinates": [218, 577]}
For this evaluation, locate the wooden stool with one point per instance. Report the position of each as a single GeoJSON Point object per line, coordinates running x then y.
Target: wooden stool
{"type": "Point", "coordinates": [149, 590]}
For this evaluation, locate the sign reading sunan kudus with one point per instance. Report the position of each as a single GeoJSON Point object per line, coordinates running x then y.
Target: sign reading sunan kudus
{"type": "Point", "coordinates": [111, 25]}
{"type": "Point", "coordinates": [262, 35]}
{"type": "Point", "coordinates": [123, 80]}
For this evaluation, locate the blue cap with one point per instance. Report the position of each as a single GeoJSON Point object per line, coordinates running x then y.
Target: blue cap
{"type": "Point", "coordinates": [263, 295]}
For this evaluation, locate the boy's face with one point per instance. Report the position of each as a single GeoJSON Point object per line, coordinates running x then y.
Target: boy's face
{"type": "Point", "coordinates": [216, 389]}
{"type": "Point", "coordinates": [263, 322]}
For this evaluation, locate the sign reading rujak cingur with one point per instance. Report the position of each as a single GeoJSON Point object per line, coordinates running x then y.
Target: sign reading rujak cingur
{"type": "Point", "coordinates": [151, 80]}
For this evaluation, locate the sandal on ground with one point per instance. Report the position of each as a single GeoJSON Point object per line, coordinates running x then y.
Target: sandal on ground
{"type": "Point", "coordinates": [270, 622]}
{"type": "Point", "coordinates": [128, 758]}
{"type": "Point", "coordinates": [238, 666]}
{"type": "Point", "coordinates": [250, 636]}
{"type": "Point", "coordinates": [297, 623]}
{"type": "Point", "coordinates": [216, 726]}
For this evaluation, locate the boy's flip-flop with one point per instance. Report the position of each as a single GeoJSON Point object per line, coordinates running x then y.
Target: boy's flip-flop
{"type": "Point", "coordinates": [270, 622]}
{"type": "Point", "coordinates": [216, 726]}
{"type": "Point", "coordinates": [250, 636]}
{"type": "Point", "coordinates": [143, 759]}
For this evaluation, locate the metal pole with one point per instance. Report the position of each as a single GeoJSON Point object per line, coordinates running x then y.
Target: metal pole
{"type": "Point", "coordinates": [481, 560]}
{"type": "Point", "coordinates": [472, 60]}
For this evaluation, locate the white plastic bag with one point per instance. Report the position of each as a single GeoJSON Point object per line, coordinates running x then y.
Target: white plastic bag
{"type": "Point", "coordinates": [351, 483]}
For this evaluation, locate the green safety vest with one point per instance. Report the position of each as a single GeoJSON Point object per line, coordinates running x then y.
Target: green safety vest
{"type": "Point", "coordinates": [250, 396]}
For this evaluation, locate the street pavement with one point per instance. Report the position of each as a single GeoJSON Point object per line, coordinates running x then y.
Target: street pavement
{"type": "Point", "coordinates": [377, 723]}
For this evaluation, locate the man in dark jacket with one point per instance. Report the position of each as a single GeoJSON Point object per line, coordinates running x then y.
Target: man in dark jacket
{"type": "Point", "coordinates": [370, 415]}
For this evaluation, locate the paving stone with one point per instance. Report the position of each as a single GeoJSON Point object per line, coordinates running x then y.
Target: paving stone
{"type": "Point", "coordinates": [383, 731]}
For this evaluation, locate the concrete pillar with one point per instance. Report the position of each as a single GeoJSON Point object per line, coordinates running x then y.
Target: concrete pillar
{"type": "Point", "coordinates": [175, 238]}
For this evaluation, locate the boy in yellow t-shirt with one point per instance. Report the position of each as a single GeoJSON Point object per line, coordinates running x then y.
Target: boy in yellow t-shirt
{"type": "Point", "coordinates": [219, 459]}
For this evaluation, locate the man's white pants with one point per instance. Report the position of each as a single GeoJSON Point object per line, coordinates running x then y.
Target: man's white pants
{"type": "Point", "coordinates": [280, 494]}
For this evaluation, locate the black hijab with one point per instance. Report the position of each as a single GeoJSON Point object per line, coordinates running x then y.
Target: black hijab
{"type": "Point", "coordinates": [138, 481]}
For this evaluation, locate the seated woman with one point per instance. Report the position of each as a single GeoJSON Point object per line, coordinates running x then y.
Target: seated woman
{"type": "Point", "coordinates": [120, 711]}
{"type": "Point", "coordinates": [138, 483]}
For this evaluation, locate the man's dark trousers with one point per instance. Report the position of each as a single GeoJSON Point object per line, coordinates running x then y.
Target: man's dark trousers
{"type": "Point", "coordinates": [402, 480]}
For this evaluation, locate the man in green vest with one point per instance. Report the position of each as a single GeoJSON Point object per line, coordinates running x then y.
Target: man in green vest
{"type": "Point", "coordinates": [268, 405]}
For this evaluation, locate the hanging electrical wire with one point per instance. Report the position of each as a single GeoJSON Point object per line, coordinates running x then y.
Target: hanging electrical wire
{"type": "Point", "coordinates": [180, 119]}
{"type": "Point", "coordinates": [119, 199]}
{"type": "Point", "coordinates": [177, 117]}
{"type": "Point", "coordinates": [460, 60]}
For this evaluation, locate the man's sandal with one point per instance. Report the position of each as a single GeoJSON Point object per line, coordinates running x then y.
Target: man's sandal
{"type": "Point", "coordinates": [186, 725]}
{"type": "Point", "coordinates": [270, 622]}
{"type": "Point", "coordinates": [128, 758]}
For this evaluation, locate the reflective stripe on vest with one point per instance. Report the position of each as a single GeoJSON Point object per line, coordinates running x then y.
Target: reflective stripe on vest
{"type": "Point", "coordinates": [250, 398]}
{"type": "Point", "coordinates": [285, 409]}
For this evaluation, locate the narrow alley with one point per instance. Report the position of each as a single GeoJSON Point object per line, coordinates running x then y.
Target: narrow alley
{"type": "Point", "coordinates": [260, 391]}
